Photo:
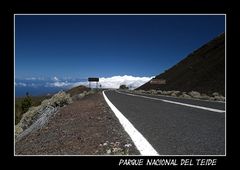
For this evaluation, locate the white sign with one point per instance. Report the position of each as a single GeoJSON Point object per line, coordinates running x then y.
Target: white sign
{"type": "Point", "coordinates": [158, 81]}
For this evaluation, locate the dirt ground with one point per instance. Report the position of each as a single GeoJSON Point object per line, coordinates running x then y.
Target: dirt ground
{"type": "Point", "coordinates": [85, 127]}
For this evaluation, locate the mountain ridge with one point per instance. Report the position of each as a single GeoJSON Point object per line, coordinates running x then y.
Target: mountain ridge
{"type": "Point", "coordinates": [203, 70]}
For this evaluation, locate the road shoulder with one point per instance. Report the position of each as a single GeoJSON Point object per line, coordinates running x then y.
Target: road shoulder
{"type": "Point", "coordinates": [85, 127]}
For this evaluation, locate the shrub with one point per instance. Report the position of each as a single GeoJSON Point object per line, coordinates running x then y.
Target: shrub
{"type": "Point", "coordinates": [26, 103]}
{"type": "Point", "coordinates": [123, 86]}
{"type": "Point", "coordinates": [18, 112]}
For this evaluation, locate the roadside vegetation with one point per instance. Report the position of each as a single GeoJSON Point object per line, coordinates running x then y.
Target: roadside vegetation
{"type": "Point", "coordinates": [123, 86]}
{"type": "Point", "coordinates": [22, 104]}
{"type": "Point", "coordinates": [187, 95]}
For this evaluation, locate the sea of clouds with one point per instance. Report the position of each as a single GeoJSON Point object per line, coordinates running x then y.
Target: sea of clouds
{"type": "Point", "coordinates": [43, 84]}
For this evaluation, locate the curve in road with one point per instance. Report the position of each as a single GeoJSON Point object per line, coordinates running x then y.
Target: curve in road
{"type": "Point", "coordinates": [172, 127]}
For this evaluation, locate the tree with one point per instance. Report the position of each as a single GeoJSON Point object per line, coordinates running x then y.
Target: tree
{"type": "Point", "coordinates": [26, 103]}
{"type": "Point", "coordinates": [123, 86]}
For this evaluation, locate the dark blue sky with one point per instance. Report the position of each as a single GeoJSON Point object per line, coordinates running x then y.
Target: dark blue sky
{"type": "Point", "coordinates": [82, 46]}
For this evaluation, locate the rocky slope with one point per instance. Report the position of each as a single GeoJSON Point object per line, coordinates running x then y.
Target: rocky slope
{"type": "Point", "coordinates": [86, 126]}
{"type": "Point", "coordinates": [78, 90]}
{"type": "Point", "coordinates": [38, 116]}
{"type": "Point", "coordinates": [202, 71]}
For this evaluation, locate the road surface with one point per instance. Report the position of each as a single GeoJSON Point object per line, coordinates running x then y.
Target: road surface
{"type": "Point", "coordinates": [175, 126]}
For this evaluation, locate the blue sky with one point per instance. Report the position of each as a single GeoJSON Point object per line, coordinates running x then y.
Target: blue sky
{"type": "Point", "coordinates": [82, 46]}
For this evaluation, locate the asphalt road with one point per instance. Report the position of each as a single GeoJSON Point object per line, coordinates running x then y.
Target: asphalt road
{"type": "Point", "coordinates": [174, 129]}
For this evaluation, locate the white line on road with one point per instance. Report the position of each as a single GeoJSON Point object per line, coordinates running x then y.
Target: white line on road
{"type": "Point", "coordinates": [144, 147]}
{"type": "Point", "coordinates": [178, 103]}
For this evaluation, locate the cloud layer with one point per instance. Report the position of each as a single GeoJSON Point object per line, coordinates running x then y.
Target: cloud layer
{"type": "Point", "coordinates": [105, 82]}
{"type": "Point", "coordinates": [130, 81]}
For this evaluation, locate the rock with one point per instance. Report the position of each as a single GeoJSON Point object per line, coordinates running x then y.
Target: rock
{"type": "Point", "coordinates": [211, 98]}
{"type": "Point", "coordinates": [36, 122]}
{"type": "Point", "coordinates": [29, 117]}
{"type": "Point", "coordinates": [195, 94]}
{"type": "Point", "coordinates": [219, 98]}
{"type": "Point", "coordinates": [205, 97]}
{"type": "Point", "coordinates": [148, 92]}
{"type": "Point", "coordinates": [215, 94]}
{"type": "Point", "coordinates": [60, 99]}
{"type": "Point", "coordinates": [37, 116]}
{"type": "Point", "coordinates": [18, 129]}
{"type": "Point", "coordinates": [80, 96]}
{"type": "Point", "coordinates": [140, 91]}
{"type": "Point", "coordinates": [175, 93]}
{"type": "Point", "coordinates": [105, 144]}
{"type": "Point", "coordinates": [116, 150]}
{"type": "Point", "coordinates": [153, 91]}
{"type": "Point", "coordinates": [109, 151]}
{"type": "Point", "coordinates": [136, 91]}
{"type": "Point", "coordinates": [159, 91]}
{"type": "Point", "coordinates": [184, 95]}
{"type": "Point", "coordinates": [46, 102]}
{"type": "Point", "coordinates": [166, 92]}
{"type": "Point", "coordinates": [89, 92]}
{"type": "Point", "coordinates": [128, 145]}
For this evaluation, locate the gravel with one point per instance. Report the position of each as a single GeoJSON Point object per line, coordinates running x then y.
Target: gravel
{"type": "Point", "coordinates": [85, 127]}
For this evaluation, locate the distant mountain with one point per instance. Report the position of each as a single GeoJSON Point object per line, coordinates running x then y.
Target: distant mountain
{"type": "Point", "coordinates": [202, 71]}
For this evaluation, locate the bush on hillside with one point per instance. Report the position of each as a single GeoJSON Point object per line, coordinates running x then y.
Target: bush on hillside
{"type": "Point", "coordinates": [26, 103]}
{"type": "Point", "coordinates": [123, 86]}
{"type": "Point", "coordinates": [41, 113]}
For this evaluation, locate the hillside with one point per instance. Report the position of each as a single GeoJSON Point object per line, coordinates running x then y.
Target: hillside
{"type": "Point", "coordinates": [77, 90]}
{"type": "Point", "coordinates": [202, 71]}
{"type": "Point", "coordinates": [36, 100]}
{"type": "Point", "coordinates": [65, 125]}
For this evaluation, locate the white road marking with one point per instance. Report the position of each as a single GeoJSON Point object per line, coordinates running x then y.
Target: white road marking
{"type": "Point", "coordinates": [178, 103]}
{"type": "Point", "coordinates": [144, 147]}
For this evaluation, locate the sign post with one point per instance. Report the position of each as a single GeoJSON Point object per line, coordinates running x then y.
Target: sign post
{"type": "Point", "coordinates": [93, 79]}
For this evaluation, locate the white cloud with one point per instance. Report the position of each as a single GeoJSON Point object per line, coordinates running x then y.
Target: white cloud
{"type": "Point", "coordinates": [84, 83]}
{"type": "Point", "coordinates": [106, 82]}
{"type": "Point", "coordinates": [55, 78]}
{"type": "Point", "coordinates": [20, 84]}
{"type": "Point", "coordinates": [58, 84]}
{"type": "Point", "coordinates": [116, 81]}
{"type": "Point", "coordinates": [65, 84]}
{"type": "Point", "coordinates": [31, 78]}
{"type": "Point", "coordinates": [34, 78]}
